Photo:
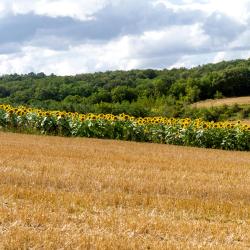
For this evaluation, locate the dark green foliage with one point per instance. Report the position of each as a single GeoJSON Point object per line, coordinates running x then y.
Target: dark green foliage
{"type": "Point", "coordinates": [136, 92]}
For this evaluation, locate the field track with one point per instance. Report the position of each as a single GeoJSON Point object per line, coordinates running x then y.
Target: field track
{"type": "Point", "coordinates": [77, 193]}
{"type": "Point", "coordinates": [245, 100]}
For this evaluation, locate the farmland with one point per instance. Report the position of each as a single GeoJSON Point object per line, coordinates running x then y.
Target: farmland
{"type": "Point", "coordinates": [244, 100]}
{"type": "Point", "coordinates": [71, 193]}
{"type": "Point", "coordinates": [187, 132]}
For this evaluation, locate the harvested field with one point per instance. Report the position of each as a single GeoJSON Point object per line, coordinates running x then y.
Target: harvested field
{"type": "Point", "coordinates": [77, 193]}
{"type": "Point", "coordinates": [245, 100]}
{"type": "Point", "coordinates": [246, 122]}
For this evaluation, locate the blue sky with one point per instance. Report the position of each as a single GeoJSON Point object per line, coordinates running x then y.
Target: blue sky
{"type": "Point", "coordinates": [77, 36]}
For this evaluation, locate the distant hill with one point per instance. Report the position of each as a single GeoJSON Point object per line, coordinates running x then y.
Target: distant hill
{"type": "Point", "coordinates": [136, 92]}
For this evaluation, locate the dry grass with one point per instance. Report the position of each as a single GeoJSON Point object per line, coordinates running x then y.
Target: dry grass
{"type": "Point", "coordinates": [246, 121]}
{"type": "Point", "coordinates": [245, 100]}
{"type": "Point", "coordinates": [74, 193]}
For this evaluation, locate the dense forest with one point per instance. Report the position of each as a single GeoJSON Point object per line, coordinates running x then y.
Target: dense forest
{"type": "Point", "coordinates": [136, 92]}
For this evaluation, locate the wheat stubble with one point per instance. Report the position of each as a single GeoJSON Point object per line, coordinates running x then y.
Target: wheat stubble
{"type": "Point", "coordinates": [77, 193]}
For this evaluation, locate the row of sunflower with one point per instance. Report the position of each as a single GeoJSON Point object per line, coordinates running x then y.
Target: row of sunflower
{"type": "Point", "coordinates": [222, 135]}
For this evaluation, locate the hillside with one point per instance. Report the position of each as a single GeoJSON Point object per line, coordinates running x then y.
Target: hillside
{"type": "Point", "coordinates": [244, 100]}
{"type": "Point", "coordinates": [102, 194]}
{"type": "Point", "coordinates": [136, 92]}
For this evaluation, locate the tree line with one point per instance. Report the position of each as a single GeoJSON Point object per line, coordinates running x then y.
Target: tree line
{"type": "Point", "coordinates": [136, 92]}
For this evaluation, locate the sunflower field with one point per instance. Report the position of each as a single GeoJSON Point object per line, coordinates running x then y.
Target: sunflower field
{"type": "Point", "coordinates": [221, 135]}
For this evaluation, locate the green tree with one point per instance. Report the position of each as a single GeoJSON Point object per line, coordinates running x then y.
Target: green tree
{"type": "Point", "coordinates": [123, 93]}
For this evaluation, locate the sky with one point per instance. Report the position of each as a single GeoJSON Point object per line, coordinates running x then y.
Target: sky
{"type": "Point", "coordinates": [68, 37]}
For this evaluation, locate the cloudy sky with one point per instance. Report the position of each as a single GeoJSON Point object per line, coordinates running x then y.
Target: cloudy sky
{"type": "Point", "coordinates": [77, 36]}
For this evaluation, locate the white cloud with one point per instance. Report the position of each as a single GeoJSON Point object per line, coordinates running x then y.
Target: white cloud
{"type": "Point", "coordinates": [123, 39]}
{"type": "Point", "coordinates": [78, 59]}
{"type": "Point", "coordinates": [126, 53]}
{"type": "Point", "coordinates": [176, 39]}
{"type": "Point", "coordinates": [79, 9]}
{"type": "Point", "coordinates": [230, 55]}
{"type": "Point", "coordinates": [242, 41]}
{"type": "Point", "coordinates": [213, 57]}
{"type": "Point", "coordinates": [3, 9]}
{"type": "Point", "coordinates": [239, 10]}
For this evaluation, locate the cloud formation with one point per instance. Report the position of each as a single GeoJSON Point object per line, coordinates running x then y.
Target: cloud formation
{"type": "Point", "coordinates": [68, 37]}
